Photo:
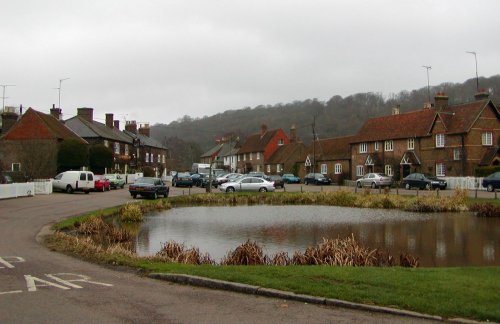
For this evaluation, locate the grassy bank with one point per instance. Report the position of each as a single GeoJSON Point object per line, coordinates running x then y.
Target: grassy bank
{"type": "Point", "coordinates": [450, 292]}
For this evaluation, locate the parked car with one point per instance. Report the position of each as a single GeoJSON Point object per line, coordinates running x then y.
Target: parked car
{"type": "Point", "coordinates": [247, 184]}
{"type": "Point", "coordinates": [101, 183]}
{"type": "Point", "coordinates": [5, 179]}
{"type": "Point", "coordinates": [226, 177]}
{"type": "Point", "coordinates": [492, 182]}
{"type": "Point", "coordinates": [290, 178]}
{"type": "Point", "coordinates": [317, 179]}
{"type": "Point", "coordinates": [182, 179]}
{"type": "Point", "coordinates": [374, 180]}
{"type": "Point", "coordinates": [258, 174]}
{"type": "Point", "coordinates": [148, 187]}
{"type": "Point", "coordinates": [204, 179]}
{"type": "Point", "coordinates": [71, 181]}
{"type": "Point", "coordinates": [423, 181]}
{"type": "Point", "coordinates": [116, 181]}
{"type": "Point", "coordinates": [196, 178]}
{"type": "Point", "coordinates": [278, 181]}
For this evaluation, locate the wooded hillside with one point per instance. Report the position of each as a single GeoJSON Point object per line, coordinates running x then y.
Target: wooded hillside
{"type": "Point", "coordinates": [335, 117]}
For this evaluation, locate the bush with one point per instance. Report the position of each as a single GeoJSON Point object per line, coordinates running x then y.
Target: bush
{"type": "Point", "coordinates": [131, 213]}
{"type": "Point", "coordinates": [486, 210]}
{"type": "Point", "coordinates": [486, 170]}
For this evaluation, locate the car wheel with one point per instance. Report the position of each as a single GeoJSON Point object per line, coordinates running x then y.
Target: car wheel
{"type": "Point", "coordinates": [103, 188]}
{"type": "Point", "coordinates": [407, 186]}
{"type": "Point", "coordinates": [230, 189]}
{"type": "Point", "coordinates": [489, 188]}
{"type": "Point", "coordinates": [134, 196]}
{"type": "Point", "coordinates": [358, 184]}
{"type": "Point", "coordinates": [69, 189]}
{"type": "Point", "coordinates": [374, 185]}
{"type": "Point", "coordinates": [305, 182]}
{"type": "Point", "coordinates": [427, 186]}
{"type": "Point", "coordinates": [87, 192]}
{"type": "Point", "coordinates": [155, 195]}
{"type": "Point", "coordinates": [166, 194]}
{"type": "Point", "coordinates": [263, 189]}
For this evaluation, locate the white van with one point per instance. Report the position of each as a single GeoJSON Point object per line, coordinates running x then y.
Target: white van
{"type": "Point", "coordinates": [71, 181]}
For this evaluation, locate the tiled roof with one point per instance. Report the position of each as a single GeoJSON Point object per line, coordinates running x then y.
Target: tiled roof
{"type": "Point", "coordinates": [460, 118]}
{"type": "Point", "coordinates": [257, 142]}
{"type": "Point", "coordinates": [213, 151]}
{"type": "Point", "coordinates": [145, 140]}
{"type": "Point", "coordinates": [95, 129]}
{"type": "Point", "coordinates": [37, 125]}
{"type": "Point", "coordinates": [287, 153]}
{"type": "Point", "coordinates": [411, 124]}
{"type": "Point", "coordinates": [337, 148]}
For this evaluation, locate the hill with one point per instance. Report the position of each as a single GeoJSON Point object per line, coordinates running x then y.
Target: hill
{"type": "Point", "coordinates": [335, 117]}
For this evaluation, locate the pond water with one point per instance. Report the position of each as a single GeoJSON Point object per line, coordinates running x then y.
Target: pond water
{"type": "Point", "coordinates": [438, 239]}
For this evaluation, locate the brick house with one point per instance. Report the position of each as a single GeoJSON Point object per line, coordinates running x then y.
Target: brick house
{"type": "Point", "coordinates": [258, 148]}
{"type": "Point", "coordinates": [330, 156]}
{"type": "Point", "coordinates": [286, 158]}
{"type": "Point", "coordinates": [145, 150]}
{"type": "Point", "coordinates": [30, 143]}
{"type": "Point", "coordinates": [223, 154]}
{"type": "Point", "coordinates": [439, 139]}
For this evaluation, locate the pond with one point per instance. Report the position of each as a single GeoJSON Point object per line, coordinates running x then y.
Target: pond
{"type": "Point", "coordinates": [438, 239]}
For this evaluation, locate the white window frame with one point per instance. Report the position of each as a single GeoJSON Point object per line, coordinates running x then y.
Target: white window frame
{"type": "Point", "coordinates": [15, 167]}
{"type": "Point", "coordinates": [411, 143]}
{"type": "Point", "coordinates": [117, 147]}
{"type": "Point", "coordinates": [389, 170]}
{"type": "Point", "coordinates": [239, 155]}
{"type": "Point", "coordinates": [159, 158]}
{"type": "Point", "coordinates": [126, 149]}
{"type": "Point", "coordinates": [338, 168]}
{"type": "Point", "coordinates": [457, 154]}
{"type": "Point", "coordinates": [163, 158]}
{"type": "Point", "coordinates": [281, 142]}
{"type": "Point", "coordinates": [258, 155]}
{"type": "Point", "coordinates": [250, 154]}
{"type": "Point", "coordinates": [389, 145]}
{"type": "Point", "coordinates": [376, 146]}
{"type": "Point", "coordinates": [440, 140]}
{"type": "Point", "coordinates": [360, 170]}
{"type": "Point", "coordinates": [487, 138]}
{"type": "Point", "coordinates": [363, 147]}
{"type": "Point", "coordinates": [440, 170]}
{"type": "Point", "coordinates": [147, 158]}
{"type": "Point", "coordinates": [106, 143]}
{"type": "Point", "coordinates": [269, 168]}
{"type": "Point", "coordinates": [324, 168]}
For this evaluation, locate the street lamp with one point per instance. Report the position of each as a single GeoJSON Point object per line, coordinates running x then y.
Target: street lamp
{"type": "Point", "coordinates": [3, 95]}
{"type": "Point", "coordinates": [60, 84]}
{"type": "Point", "coordinates": [477, 77]}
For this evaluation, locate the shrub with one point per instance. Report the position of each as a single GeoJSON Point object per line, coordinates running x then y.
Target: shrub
{"type": "Point", "coordinates": [486, 210]}
{"type": "Point", "coordinates": [131, 213]}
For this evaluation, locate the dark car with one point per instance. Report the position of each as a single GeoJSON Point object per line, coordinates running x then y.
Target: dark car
{"type": "Point", "coordinates": [182, 179]}
{"type": "Point", "coordinates": [317, 179]}
{"type": "Point", "coordinates": [5, 179]}
{"type": "Point", "coordinates": [197, 179]}
{"type": "Point", "coordinates": [290, 178]}
{"type": "Point", "coordinates": [148, 187]}
{"type": "Point", "coordinates": [278, 181]}
{"type": "Point", "coordinates": [492, 182]}
{"type": "Point", "coordinates": [204, 179]}
{"type": "Point", "coordinates": [423, 181]}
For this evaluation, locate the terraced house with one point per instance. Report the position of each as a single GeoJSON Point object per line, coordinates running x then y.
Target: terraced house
{"type": "Point", "coordinates": [440, 139]}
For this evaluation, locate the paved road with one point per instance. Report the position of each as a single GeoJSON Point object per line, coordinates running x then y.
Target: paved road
{"type": "Point", "coordinates": [40, 286]}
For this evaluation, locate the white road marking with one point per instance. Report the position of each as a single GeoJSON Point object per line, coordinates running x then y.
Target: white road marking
{"type": "Point", "coordinates": [8, 260]}
{"type": "Point", "coordinates": [69, 282]}
{"type": "Point", "coordinates": [11, 292]}
{"type": "Point", "coordinates": [30, 282]}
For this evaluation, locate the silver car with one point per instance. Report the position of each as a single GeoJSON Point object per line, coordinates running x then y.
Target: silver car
{"type": "Point", "coordinates": [374, 180]}
{"type": "Point", "coordinates": [247, 184]}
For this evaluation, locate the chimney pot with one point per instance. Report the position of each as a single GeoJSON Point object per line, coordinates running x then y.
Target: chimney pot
{"type": "Point", "coordinates": [86, 113]}
{"type": "Point", "coordinates": [441, 101]}
{"type": "Point", "coordinates": [131, 126]}
{"type": "Point", "coordinates": [116, 123]}
{"type": "Point", "coordinates": [109, 120]}
{"type": "Point", "coordinates": [482, 94]}
{"type": "Point", "coordinates": [56, 112]}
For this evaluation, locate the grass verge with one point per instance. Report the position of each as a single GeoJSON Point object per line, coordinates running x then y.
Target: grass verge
{"type": "Point", "coordinates": [469, 292]}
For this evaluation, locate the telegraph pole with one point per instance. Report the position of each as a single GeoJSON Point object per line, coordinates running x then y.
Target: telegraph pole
{"type": "Point", "coordinates": [314, 144]}
{"type": "Point", "coordinates": [477, 76]}
{"type": "Point", "coordinates": [428, 67]}
{"type": "Point", "coordinates": [3, 95]}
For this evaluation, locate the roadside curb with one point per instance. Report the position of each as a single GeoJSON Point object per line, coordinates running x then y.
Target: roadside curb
{"type": "Point", "coordinates": [267, 292]}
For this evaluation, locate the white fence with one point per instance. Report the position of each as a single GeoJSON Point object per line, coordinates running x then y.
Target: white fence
{"type": "Point", "coordinates": [130, 178]}
{"type": "Point", "coordinates": [43, 186]}
{"type": "Point", "coordinates": [14, 190]}
{"type": "Point", "coordinates": [470, 183]}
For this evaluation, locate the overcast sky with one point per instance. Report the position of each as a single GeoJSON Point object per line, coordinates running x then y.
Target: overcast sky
{"type": "Point", "coordinates": [156, 61]}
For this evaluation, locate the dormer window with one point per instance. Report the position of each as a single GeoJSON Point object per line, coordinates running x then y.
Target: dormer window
{"type": "Point", "coordinates": [281, 142]}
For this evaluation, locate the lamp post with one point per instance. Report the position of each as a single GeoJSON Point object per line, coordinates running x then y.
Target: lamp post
{"type": "Point", "coordinates": [60, 84]}
{"type": "Point", "coordinates": [3, 95]}
{"type": "Point", "coordinates": [477, 76]}
{"type": "Point", "coordinates": [428, 67]}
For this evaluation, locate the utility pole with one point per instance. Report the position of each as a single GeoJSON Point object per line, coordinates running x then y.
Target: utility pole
{"type": "Point", "coordinates": [477, 76]}
{"type": "Point", "coordinates": [314, 144]}
{"type": "Point", "coordinates": [60, 84]}
{"type": "Point", "coordinates": [428, 67]}
{"type": "Point", "coordinates": [3, 95]}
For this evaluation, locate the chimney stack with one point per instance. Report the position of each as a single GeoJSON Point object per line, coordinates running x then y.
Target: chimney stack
{"type": "Point", "coordinates": [144, 130]}
{"type": "Point", "coordinates": [56, 112]}
{"type": "Point", "coordinates": [109, 120]}
{"type": "Point", "coordinates": [86, 113]}
{"type": "Point", "coordinates": [293, 134]}
{"type": "Point", "coordinates": [396, 110]}
{"type": "Point", "coordinates": [441, 101]}
{"type": "Point", "coordinates": [9, 118]}
{"type": "Point", "coordinates": [263, 129]}
{"type": "Point", "coordinates": [482, 94]}
{"type": "Point", "coordinates": [131, 126]}
{"type": "Point", "coordinates": [117, 124]}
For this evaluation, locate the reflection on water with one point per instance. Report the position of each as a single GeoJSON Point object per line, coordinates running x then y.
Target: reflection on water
{"type": "Point", "coordinates": [447, 239]}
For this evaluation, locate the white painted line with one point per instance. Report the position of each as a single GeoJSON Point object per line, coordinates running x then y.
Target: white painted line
{"type": "Point", "coordinates": [8, 260]}
{"type": "Point", "coordinates": [11, 292]}
{"type": "Point", "coordinates": [30, 283]}
{"type": "Point", "coordinates": [79, 278]}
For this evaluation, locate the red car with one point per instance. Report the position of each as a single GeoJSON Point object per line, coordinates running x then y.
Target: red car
{"type": "Point", "coordinates": [101, 183]}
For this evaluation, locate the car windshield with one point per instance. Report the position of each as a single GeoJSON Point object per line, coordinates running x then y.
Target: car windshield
{"type": "Point", "coordinates": [288, 175]}
{"type": "Point", "coordinates": [431, 177]}
{"type": "Point", "coordinates": [381, 175]}
{"type": "Point", "coordinates": [275, 177]}
{"type": "Point", "coordinates": [145, 180]}
{"type": "Point", "coordinates": [183, 175]}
